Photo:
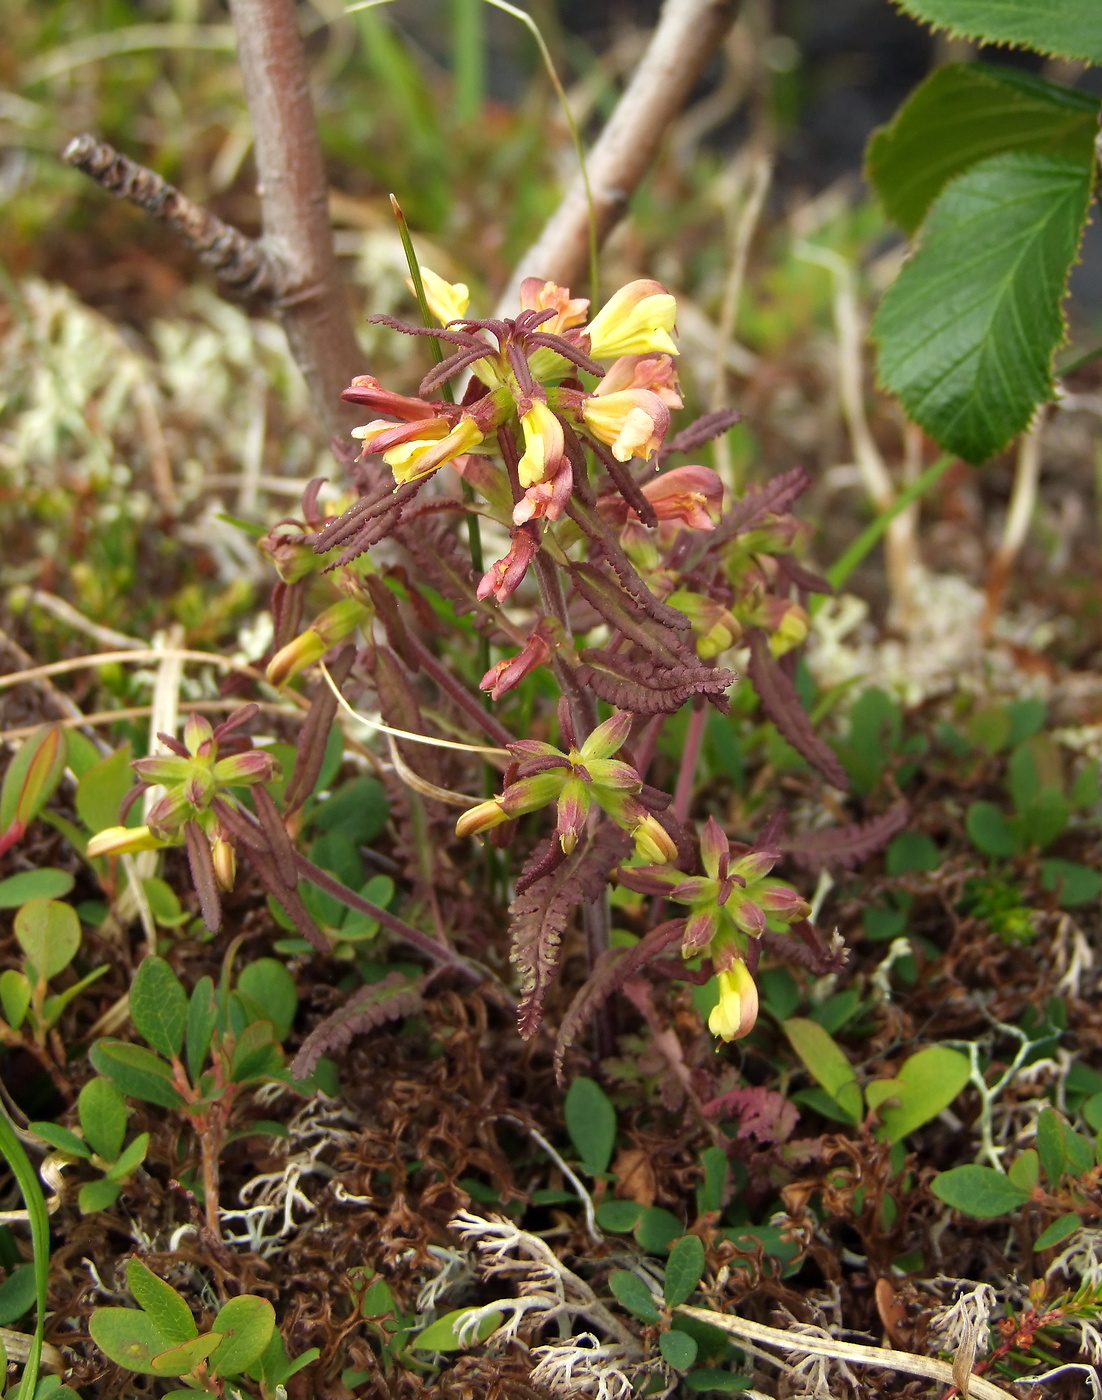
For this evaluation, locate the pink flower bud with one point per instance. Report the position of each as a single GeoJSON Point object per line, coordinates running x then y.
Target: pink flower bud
{"type": "Point", "coordinates": [537, 295]}
{"type": "Point", "coordinates": [199, 736]}
{"type": "Point", "coordinates": [509, 672]}
{"type": "Point", "coordinates": [504, 578]}
{"type": "Point", "coordinates": [655, 372]}
{"type": "Point", "coordinates": [691, 495]}
{"type": "Point", "coordinates": [547, 498]}
{"type": "Point", "coordinates": [367, 390]}
{"type": "Point", "coordinates": [480, 818]}
{"type": "Point", "coordinates": [253, 766]}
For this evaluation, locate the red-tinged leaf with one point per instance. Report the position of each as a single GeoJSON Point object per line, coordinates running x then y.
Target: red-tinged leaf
{"type": "Point", "coordinates": [782, 705]}
{"type": "Point", "coordinates": [539, 915]}
{"type": "Point", "coordinates": [762, 1114]}
{"type": "Point", "coordinates": [650, 688]}
{"type": "Point", "coordinates": [619, 610]}
{"type": "Point", "coordinates": [31, 779]}
{"type": "Point", "coordinates": [774, 498]}
{"type": "Point", "coordinates": [843, 847]}
{"type": "Point", "coordinates": [707, 427]}
{"type": "Point", "coordinates": [394, 996]}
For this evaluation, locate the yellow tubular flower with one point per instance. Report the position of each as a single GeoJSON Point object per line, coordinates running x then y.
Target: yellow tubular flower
{"type": "Point", "coordinates": [124, 841]}
{"type": "Point", "coordinates": [448, 301]}
{"type": "Point", "coordinates": [633, 422]}
{"type": "Point", "coordinates": [733, 1016]}
{"type": "Point", "coordinates": [636, 320]}
{"type": "Point", "coordinates": [420, 456]}
{"type": "Point", "coordinates": [543, 444]}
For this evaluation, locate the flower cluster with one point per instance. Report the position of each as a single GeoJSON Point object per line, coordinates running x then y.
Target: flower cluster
{"type": "Point", "coordinates": [731, 903]}
{"type": "Point", "coordinates": [577, 780]}
{"type": "Point", "coordinates": [193, 775]}
{"type": "Point", "coordinates": [526, 381]}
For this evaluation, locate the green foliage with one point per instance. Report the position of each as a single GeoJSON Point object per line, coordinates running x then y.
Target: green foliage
{"type": "Point", "coordinates": [591, 1123]}
{"type": "Point", "coordinates": [966, 113]}
{"type": "Point", "coordinates": [632, 1293]}
{"type": "Point", "coordinates": [30, 780]}
{"type": "Point", "coordinates": [443, 1334]}
{"type": "Point", "coordinates": [159, 1006]}
{"type": "Point", "coordinates": [160, 1336]}
{"type": "Point", "coordinates": [968, 330]}
{"type": "Point", "coordinates": [979, 1191]}
{"type": "Point", "coordinates": [48, 933]}
{"type": "Point", "coordinates": [1070, 29]}
{"type": "Point", "coordinates": [927, 1083]}
{"type": "Point", "coordinates": [684, 1270]}
{"type": "Point", "coordinates": [826, 1062]}
{"type": "Point", "coordinates": [43, 883]}
{"type": "Point", "coordinates": [101, 1110]}
{"type": "Point", "coordinates": [875, 744]}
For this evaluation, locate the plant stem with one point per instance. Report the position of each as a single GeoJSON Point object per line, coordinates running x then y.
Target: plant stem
{"type": "Point", "coordinates": [690, 755]}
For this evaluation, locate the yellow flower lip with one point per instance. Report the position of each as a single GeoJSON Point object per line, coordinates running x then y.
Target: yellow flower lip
{"type": "Point", "coordinates": [448, 301]}
{"type": "Point", "coordinates": [636, 320]}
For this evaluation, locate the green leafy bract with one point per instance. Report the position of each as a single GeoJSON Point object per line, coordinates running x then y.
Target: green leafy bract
{"type": "Point", "coordinates": [979, 1191]}
{"type": "Point", "coordinates": [1065, 28]}
{"type": "Point", "coordinates": [967, 332]}
{"type": "Point", "coordinates": [965, 113]}
{"type": "Point", "coordinates": [158, 1006]}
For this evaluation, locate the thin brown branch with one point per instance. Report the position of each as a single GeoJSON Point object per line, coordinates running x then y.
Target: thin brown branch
{"type": "Point", "coordinates": [239, 262]}
{"type": "Point", "coordinates": [688, 34]}
{"type": "Point", "coordinates": [294, 202]}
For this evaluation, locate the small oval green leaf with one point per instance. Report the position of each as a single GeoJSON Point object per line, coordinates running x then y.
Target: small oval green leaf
{"type": "Point", "coordinates": [102, 1111]}
{"type": "Point", "coordinates": [159, 1300]}
{"type": "Point", "coordinates": [678, 1349]}
{"type": "Point", "coordinates": [158, 1006]}
{"type": "Point", "coordinates": [179, 1360]}
{"type": "Point", "coordinates": [591, 1123]}
{"type": "Point", "coordinates": [44, 883]}
{"type": "Point", "coordinates": [246, 1325]}
{"type": "Point", "coordinates": [442, 1335]}
{"type": "Point", "coordinates": [48, 931]}
{"type": "Point", "coordinates": [684, 1269]}
{"type": "Point", "coordinates": [632, 1293]}
{"type": "Point", "coordinates": [979, 1191]}
{"type": "Point", "coordinates": [128, 1337]}
{"type": "Point", "coordinates": [136, 1071]}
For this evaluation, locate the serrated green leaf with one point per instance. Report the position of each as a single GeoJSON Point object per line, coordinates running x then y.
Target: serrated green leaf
{"type": "Point", "coordinates": [927, 1083]}
{"type": "Point", "coordinates": [48, 931]}
{"type": "Point", "coordinates": [979, 1191]}
{"type": "Point", "coordinates": [684, 1270]}
{"type": "Point", "coordinates": [44, 883]}
{"type": "Point", "coordinates": [130, 1159]}
{"type": "Point", "coordinates": [246, 1324]}
{"type": "Point", "coordinates": [1059, 1230]}
{"type": "Point", "coordinates": [1067, 29]}
{"type": "Point", "coordinates": [98, 1195]}
{"type": "Point", "coordinates": [102, 1111]}
{"type": "Point", "coordinates": [202, 1016]}
{"type": "Point", "coordinates": [965, 113]}
{"type": "Point", "coordinates": [967, 332]}
{"type": "Point", "coordinates": [826, 1062]}
{"type": "Point", "coordinates": [136, 1071]}
{"type": "Point", "coordinates": [181, 1359]}
{"type": "Point", "coordinates": [678, 1349]}
{"type": "Point", "coordinates": [989, 831]}
{"type": "Point", "coordinates": [62, 1139]}
{"type": "Point", "coordinates": [158, 1006]}
{"type": "Point", "coordinates": [159, 1300]}
{"type": "Point", "coordinates": [591, 1123]}
{"type": "Point", "coordinates": [128, 1337]}
{"type": "Point", "coordinates": [632, 1293]}
{"type": "Point", "coordinates": [442, 1335]}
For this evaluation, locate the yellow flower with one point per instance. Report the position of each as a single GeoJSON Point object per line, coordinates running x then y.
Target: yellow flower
{"type": "Point", "coordinates": [448, 301]}
{"type": "Point", "coordinates": [636, 320]}
{"type": "Point", "coordinates": [124, 841]}
{"type": "Point", "coordinates": [633, 422]}
{"type": "Point", "coordinates": [421, 455]}
{"type": "Point", "coordinates": [543, 444]}
{"type": "Point", "coordinates": [733, 1016]}
{"type": "Point", "coordinates": [329, 628]}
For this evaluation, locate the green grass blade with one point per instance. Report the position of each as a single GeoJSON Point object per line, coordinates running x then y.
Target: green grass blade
{"type": "Point", "coordinates": [869, 537]}
{"type": "Point", "coordinates": [468, 60]}
{"type": "Point", "coordinates": [12, 1150]}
